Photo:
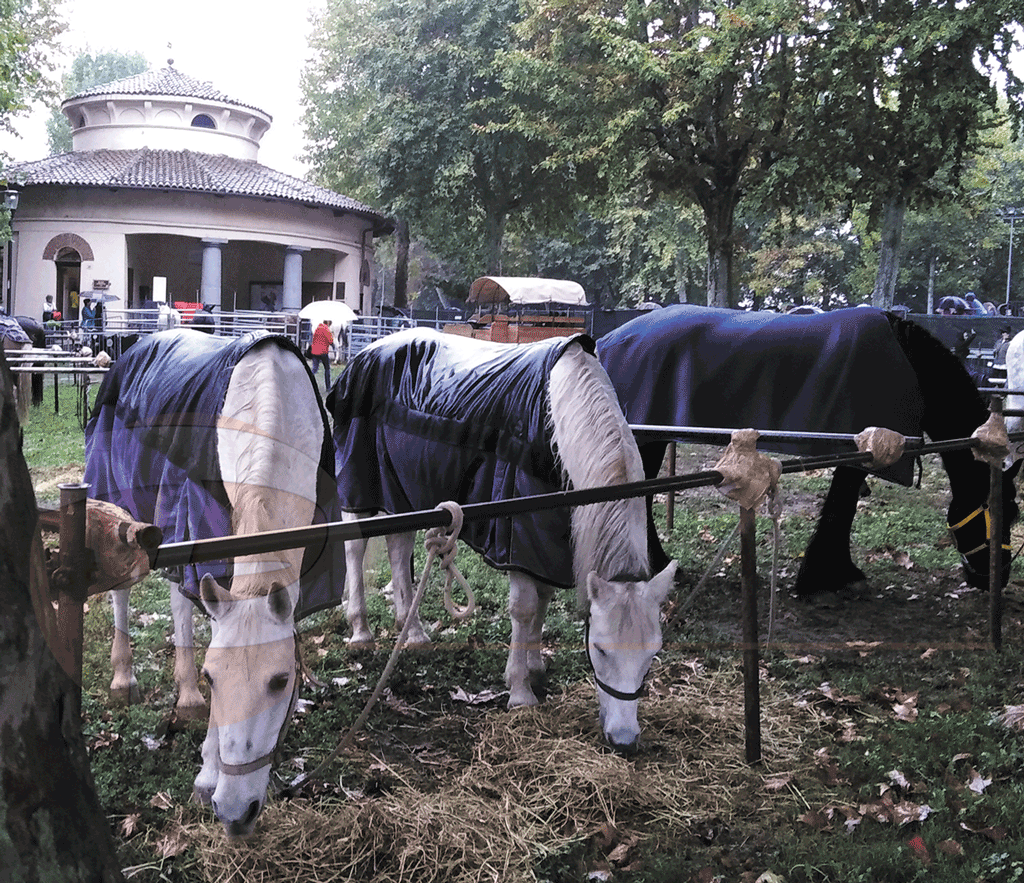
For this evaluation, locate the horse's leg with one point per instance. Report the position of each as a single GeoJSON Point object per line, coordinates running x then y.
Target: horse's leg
{"type": "Point", "coordinates": [190, 705]}
{"type": "Point", "coordinates": [355, 603]}
{"type": "Point", "coordinates": [124, 689]}
{"type": "Point", "coordinates": [827, 565]}
{"type": "Point", "coordinates": [400, 548]}
{"type": "Point", "coordinates": [527, 602]}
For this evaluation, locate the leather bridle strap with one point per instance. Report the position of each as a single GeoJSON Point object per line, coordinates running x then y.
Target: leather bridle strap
{"type": "Point", "coordinates": [271, 757]}
{"type": "Point", "coordinates": [611, 691]}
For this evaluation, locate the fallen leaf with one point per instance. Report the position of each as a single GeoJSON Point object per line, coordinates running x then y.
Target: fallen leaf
{"type": "Point", "coordinates": [481, 698]}
{"type": "Point", "coordinates": [161, 800]}
{"type": "Point", "coordinates": [173, 844]}
{"type": "Point", "coordinates": [907, 709]}
{"type": "Point", "coordinates": [976, 782]}
{"type": "Point", "coordinates": [995, 834]}
{"type": "Point", "coordinates": [897, 778]}
{"type": "Point", "coordinates": [903, 560]}
{"type": "Point", "coordinates": [929, 653]}
{"type": "Point", "coordinates": [917, 846]}
{"type": "Point", "coordinates": [949, 847]}
{"type": "Point", "coordinates": [130, 824]}
{"type": "Point", "coordinates": [1013, 717]}
{"type": "Point", "coordinates": [814, 819]}
{"type": "Point", "coordinates": [779, 783]}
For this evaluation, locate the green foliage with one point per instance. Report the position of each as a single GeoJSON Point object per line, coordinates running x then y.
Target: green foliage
{"type": "Point", "coordinates": [28, 36]}
{"type": "Point", "coordinates": [89, 69]}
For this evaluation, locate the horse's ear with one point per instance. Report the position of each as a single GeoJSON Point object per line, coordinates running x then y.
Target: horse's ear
{"type": "Point", "coordinates": [659, 586]}
{"type": "Point", "coordinates": [598, 588]}
{"type": "Point", "coordinates": [280, 602]}
{"type": "Point", "coordinates": [212, 594]}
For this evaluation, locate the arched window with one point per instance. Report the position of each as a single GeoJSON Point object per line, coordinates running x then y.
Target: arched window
{"type": "Point", "coordinates": [203, 121]}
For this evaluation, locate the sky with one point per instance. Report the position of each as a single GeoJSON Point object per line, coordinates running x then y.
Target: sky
{"type": "Point", "coordinates": [251, 50]}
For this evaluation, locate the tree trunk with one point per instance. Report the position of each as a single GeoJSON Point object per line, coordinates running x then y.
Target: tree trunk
{"type": "Point", "coordinates": [54, 827]}
{"type": "Point", "coordinates": [932, 262]}
{"type": "Point", "coordinates": [495, 235]}
{"type": "Point", "coordinates": [889, 253]}
{"type": "Point", "coordinates": [718, 221]}
{"type": "Point", "coordinates": [402, 264]}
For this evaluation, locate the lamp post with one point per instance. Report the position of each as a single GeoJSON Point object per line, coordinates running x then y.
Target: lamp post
{"type": "Point", "coordinates": [11, 198]}
{"type": "Point", "coordinates": [1010, 215]}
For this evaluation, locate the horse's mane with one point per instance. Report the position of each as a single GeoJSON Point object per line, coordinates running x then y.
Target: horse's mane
{"type": "Point", "coordinates": [595, 448]}
{"type": "Point", "coordinates": [953, 407]}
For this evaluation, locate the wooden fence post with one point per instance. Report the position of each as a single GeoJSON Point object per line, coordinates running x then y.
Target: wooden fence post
{"type": "Point", "coordinates": [748, 613]}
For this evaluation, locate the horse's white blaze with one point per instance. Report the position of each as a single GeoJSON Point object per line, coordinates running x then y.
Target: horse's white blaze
{"type": "Point", "coordinates": [1015, 380]}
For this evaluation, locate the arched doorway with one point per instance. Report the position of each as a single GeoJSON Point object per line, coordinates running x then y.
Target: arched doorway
{"type": "Point", "coordinates": [67, 251]}
{"type": "Point", "coordinates": [69, 274]}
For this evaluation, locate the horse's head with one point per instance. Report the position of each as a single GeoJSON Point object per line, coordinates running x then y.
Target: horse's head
{"type": "Point", "coordinates": [971, 526]}
{"type": "Point", "coordinates": [623, 635]}
{"type": "Point", "coordinates": [251, 666]}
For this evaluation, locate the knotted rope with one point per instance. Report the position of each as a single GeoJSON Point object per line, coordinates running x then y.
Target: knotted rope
{"type": "Point", "coordinates": [438, 541]}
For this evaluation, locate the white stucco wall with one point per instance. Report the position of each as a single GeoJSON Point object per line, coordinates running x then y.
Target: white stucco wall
{"type": "Point", "coordinates": [151, 230]}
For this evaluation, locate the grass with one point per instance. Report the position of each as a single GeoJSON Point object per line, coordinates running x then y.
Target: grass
{"type": "Point", "coordinates": [826, 817]}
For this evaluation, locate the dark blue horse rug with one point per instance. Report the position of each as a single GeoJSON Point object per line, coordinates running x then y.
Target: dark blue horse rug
{"type": "Point", "coordinates": [422, 417]}
{"type": "Point", "coordinates": [829, 372]}
{"type": "Point", "coordinates": [141, 455]}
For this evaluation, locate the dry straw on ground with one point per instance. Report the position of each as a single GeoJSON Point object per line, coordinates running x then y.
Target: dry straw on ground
{"type": "Point", "coordinates": [538, 783]}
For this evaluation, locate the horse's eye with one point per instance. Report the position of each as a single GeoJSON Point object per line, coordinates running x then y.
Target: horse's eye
{"type": "Point", "coordinates": [603, 653]}
{"type": "Point", "coordinates": [206, 675]}
{"type": "Point", "coordinates": [278, 683]}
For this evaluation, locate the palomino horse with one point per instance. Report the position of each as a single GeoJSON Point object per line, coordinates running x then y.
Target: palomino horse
{"type": "Point", "coordinates": [422, 417]}
{"type": "Point", "coordinates": [207, 437]}
{"type": "Point", "coordinates": [835, 372]}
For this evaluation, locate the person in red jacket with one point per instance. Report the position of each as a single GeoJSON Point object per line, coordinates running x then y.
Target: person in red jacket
{"type": "Point", "coordinates": [322, 344]}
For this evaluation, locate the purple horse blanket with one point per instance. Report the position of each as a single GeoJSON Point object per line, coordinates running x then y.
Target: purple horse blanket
{"type": "Point", "coordinates": [422, 417]}
{"type": "Point", "coordinates": [830, 372]}
{"type": "Point", "coordinates": [151, 448]}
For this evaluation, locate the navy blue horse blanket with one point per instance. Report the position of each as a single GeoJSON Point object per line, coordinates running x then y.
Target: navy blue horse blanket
{"type": "Point", "coordinates": [838, 372]}
{"type": "Point", "coordinates": [151, 448]}
{"type": "Point", "coordinates": [422, 417]}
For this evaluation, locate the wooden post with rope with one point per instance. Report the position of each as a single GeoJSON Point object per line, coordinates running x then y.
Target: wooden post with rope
{"type": "Point", "coordinates": [995, 541]}
{"type": "Point", "coordinates": [748, 613]}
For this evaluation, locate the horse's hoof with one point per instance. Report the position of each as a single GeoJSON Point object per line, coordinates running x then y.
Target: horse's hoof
{"type": "Point", "coordinates": [130, 695]}
{"type": "Point", "coordinates": [522, 699]}
{"type": "Point", "coordinates": [361, 645]}
{"type": "Point", "coordinates": [191, 711]}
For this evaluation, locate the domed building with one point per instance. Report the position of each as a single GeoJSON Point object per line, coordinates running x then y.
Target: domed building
{"type": "Point", "coordinates": [162, 198]}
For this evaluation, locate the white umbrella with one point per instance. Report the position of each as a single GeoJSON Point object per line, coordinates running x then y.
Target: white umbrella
{"type": "Point", "coordinates": [337, 311]}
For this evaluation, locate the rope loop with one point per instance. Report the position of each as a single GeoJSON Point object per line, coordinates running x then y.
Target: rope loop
{"type": "Point", "coordinates": [443, 542]}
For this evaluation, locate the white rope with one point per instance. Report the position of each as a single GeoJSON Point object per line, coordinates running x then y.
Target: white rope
{"type": "Point", "coordinates": [438, 541]}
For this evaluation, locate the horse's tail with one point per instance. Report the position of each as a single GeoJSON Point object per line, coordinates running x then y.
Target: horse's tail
{"type": "Point", "coordinates": [596, 448]}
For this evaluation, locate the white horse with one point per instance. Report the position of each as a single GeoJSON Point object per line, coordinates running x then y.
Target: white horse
{"type": "Point", "coordinates": [268, 445]}
{"type": "Point", "coordinates": [591, 443]}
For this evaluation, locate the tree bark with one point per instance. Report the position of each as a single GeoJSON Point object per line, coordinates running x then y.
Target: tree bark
{"type": "Point", "coordinates": [54, 827]}
{"type": "Point", "coordinates": [889, 253]}
{"type": "Point", "coordinates": [402, 264]}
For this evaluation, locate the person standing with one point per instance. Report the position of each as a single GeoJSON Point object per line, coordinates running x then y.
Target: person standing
{"type": "Point", "coordinates": [321, 345]}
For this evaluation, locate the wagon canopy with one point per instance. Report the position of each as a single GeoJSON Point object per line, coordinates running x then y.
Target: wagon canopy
{"type": "Point", "coordinates": [526, 290]}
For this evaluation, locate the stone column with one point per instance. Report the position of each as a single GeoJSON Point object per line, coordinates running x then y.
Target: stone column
{"type": "Point", "coordinates": [209, 289]}
{"type": "Point", "coordinates": [292, 296]}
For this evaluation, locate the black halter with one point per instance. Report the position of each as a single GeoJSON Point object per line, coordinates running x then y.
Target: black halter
{"type": "Point", "coordinates": [611, 691]}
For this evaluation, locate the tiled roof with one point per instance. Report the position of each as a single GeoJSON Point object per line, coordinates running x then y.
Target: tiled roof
{"type": "Point", "coordinates": [166, 81]}
{"type": "Point", "coordinates": [184, 170]}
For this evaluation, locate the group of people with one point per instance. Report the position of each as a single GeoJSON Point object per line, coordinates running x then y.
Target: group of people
{"type": "Point", "coordinates": [90, 317]}
{"type": "Point", "coordinates": [968, 305]}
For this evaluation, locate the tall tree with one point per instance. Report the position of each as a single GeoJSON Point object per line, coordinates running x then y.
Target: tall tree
{"type": "Point", "coordinates": [28, 33]}
{"type": "Point", "coordinates": [403, 97]}
{"type": "Point", "coordinates": [775, 101]}
{"type": "Point", "coordinates": [53, 825]}
{"type": "Point", "coordinates": [905, 91]}
{"type": "Point", "coordinates": [89, 69]}
{"type": "Point", "coordinates": [687, 95]}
